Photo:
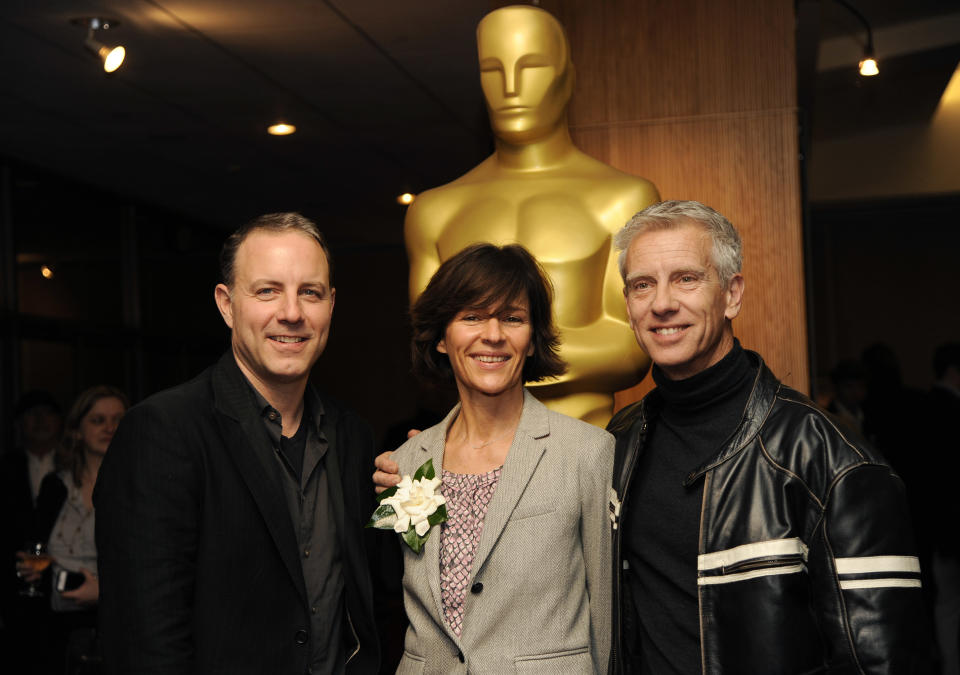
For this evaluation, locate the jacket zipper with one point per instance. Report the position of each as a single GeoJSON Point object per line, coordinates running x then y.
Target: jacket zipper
{"type": "Point", "coordinates": [703, 505]}
{"type": "Point", "coordinates": [761, 563]}
{"type": "Point", "coordinates": [617, 557]}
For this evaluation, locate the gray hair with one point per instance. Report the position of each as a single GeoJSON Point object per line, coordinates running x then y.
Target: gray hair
{"type": "Point", "coordinates": [271, 222]}
{"type": "Point", "coordinates": [727, 247]}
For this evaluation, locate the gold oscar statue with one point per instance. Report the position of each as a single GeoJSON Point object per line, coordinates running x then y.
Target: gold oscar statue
{"type": "Point", "coordinates": [539, 190]}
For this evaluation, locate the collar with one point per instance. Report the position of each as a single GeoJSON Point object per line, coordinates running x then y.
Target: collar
{"type": "Point", "coordinates": [235, 397]}
{"type": "Point", "coordinates": [312, 407]}
{"type": "Point", "coordinates": [534, 423]}
{"type": "Point", "coordinates": [762, 397]}
{"type": "Point", "coordinates": [695, 399]}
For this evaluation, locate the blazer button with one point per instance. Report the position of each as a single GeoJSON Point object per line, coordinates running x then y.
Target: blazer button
{"type": "Point", "coordinates": [300, 638]}
{"type": "Point", "coordinates": [476, 588]}
{"type": "Point", "coordinates": [460, 656]}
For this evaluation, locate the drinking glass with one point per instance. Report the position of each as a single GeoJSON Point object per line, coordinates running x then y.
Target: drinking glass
{"type": "Point", "coordinates": [36, 560]}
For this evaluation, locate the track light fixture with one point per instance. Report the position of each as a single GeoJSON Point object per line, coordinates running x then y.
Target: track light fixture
{"type": "Point", "coordinates": [111, 57]}
{"type": "Point", "coordinates": [868, 64]}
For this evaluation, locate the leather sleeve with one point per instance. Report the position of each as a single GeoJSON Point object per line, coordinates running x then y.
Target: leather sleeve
{"type": "Point", "coordinates": [147, 502]}
{"type": "Point", "coordinates": [867, 575]}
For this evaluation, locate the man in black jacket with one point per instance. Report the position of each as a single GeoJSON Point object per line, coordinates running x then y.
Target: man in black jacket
{"type": "Point", "coordinates": [752, 535]}
{"type": "Point", "coordinates": [230, 508]}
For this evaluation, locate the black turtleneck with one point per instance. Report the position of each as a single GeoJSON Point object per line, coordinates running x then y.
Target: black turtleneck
{"type": "Point", "coordinates": [692, 420]}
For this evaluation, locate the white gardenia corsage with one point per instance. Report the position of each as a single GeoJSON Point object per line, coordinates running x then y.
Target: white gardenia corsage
{"type": "Point", "coordinates": [412, 507]}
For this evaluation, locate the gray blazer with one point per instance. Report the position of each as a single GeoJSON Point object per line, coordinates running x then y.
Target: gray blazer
{"type": "Point", "coordinates": [539, 598]}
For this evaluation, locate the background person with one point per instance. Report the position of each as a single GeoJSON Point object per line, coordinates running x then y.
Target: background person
{"type": "Point", "coordinates": [849, 391]}
{"type": "Point", "coordinates": [25, 621]}
{"type": "Point", "coordinates": [66, 518]}
{"type": "Point", "coordinates": [938, 501]}
{"type": "Point", "coordinates": [519, 576]}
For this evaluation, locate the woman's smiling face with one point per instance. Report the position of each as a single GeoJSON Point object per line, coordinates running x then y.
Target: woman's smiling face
{"type": "Point", "coordinates": [488, 346]}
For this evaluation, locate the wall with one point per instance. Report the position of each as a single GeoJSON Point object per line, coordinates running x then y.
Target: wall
{"type": "Point", "coordinates": [885, 271]}
{"type": "Point", "coordinates": [893, 161]}
{"type": "Point", "coordinates": [700, 98]}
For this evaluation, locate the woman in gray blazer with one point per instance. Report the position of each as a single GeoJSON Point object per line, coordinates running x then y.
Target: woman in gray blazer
{"type": "Point", "coordinates": [518, 578]}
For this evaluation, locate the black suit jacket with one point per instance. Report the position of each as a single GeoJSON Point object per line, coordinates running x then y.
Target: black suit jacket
{"type": "Point", "coordinates": [198, 560]}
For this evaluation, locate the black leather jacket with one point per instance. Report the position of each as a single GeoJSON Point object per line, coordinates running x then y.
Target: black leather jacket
{"type": "Point", "coordinates": [806, 562]}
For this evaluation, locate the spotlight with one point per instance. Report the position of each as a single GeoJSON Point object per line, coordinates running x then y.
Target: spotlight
{"type": "Point", "coordinates": [281, 129]}
{"type": "Point", "coordinates": [406, 198]}
{"type": "Point", "coordinates": [46, 271]}
{"type": "Point", "coordinates": [112, 57]}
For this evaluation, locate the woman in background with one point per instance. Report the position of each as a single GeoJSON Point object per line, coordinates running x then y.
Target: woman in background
{"type": "Point", "coordinates": [65, 514]}
{"type": "Point", "coordinates": [518, 578]}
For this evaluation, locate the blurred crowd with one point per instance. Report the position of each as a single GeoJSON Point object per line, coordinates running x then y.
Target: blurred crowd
{"type": "Point", "coordinates": [49, 587]}
{"type": "Point", "coordinates": [919, 434]}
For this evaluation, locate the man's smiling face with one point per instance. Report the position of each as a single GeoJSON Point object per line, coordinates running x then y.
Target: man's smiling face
{"type": "Point", "coordinates": [279, 308]}
{"type": "Point", "coordinates": [679, 311]}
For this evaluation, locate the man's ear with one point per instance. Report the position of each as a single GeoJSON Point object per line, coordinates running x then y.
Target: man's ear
{"type": "Point", "coordinates": [734, 296]}
{"type": "Point", "coordinates": [221, 294]}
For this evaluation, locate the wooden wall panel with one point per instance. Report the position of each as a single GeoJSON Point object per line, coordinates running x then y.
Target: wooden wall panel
{"type": "Point", "coordinates": [700, 97]}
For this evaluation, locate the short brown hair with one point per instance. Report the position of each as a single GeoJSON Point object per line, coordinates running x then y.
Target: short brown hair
{"type": "Point", "coordinates": [271, 222]}
{"type": "Point", "coordinates": [484, 275]}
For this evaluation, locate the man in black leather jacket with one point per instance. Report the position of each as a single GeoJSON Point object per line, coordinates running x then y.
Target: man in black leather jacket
{"type": "Point", "coordinates": [751, 533]}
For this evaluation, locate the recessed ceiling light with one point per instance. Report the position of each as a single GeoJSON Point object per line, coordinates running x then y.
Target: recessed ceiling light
{"type": "Point", "coordinates": [281, 129]}
{"type": "Point", "coordinates": [406, 198]}
{"type": "Point", "coordinates": [46, 271]}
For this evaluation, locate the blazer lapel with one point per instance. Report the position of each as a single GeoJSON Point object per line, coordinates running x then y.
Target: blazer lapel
{"type": "Point", "coordinates": [432, 443]}
{"type": "Point", "coordinates": [335, 481]}
{"type": "Point", "coordinates": [240, 430]}
{"type": "Point", "coordinates": [522, 460]}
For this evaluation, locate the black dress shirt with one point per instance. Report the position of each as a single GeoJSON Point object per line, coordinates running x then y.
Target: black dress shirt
{"type": "Point", "coordinates": [306, 488]}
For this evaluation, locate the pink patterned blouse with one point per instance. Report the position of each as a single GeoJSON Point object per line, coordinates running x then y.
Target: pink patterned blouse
{"type": "Point", "coordinates": [468, 497]}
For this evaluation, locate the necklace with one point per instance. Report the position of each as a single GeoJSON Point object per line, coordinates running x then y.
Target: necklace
{"type": "Point", "coordinates": [492, 440]}
{"type": "Point", "coordinates": [511, 430]}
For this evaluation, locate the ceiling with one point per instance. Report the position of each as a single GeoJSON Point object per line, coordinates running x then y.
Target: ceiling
{"type": "Point", "coordinates": [384, 94]}
{"type": "Point", "coordinates": [918, 48]}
